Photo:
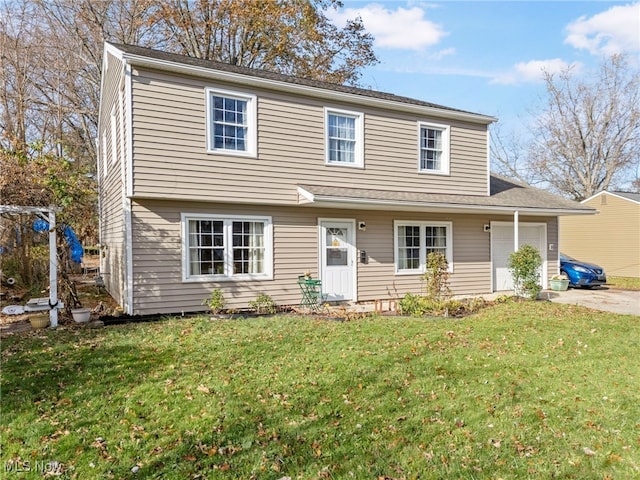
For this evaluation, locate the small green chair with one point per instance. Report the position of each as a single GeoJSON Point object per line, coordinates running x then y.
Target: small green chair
{"type": "Point", "coordinates": [311, 293]}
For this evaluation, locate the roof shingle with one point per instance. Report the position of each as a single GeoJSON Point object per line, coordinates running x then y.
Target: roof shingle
{"type": "Point", "coordinates": [505, 193]}
{"type": "Point", "coordinates": [274, 76]}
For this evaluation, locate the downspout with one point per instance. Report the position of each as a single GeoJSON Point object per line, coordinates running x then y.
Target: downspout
{"type": "Point", "coordinates": [128, 187]}
{"type": "Point", "coordinates": [516, 229]}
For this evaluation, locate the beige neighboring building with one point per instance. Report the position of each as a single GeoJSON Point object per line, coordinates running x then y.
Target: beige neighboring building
{"type": "Point", "coordinates": [214, 176]}
{"type": "Point", "coordinates": [611, 238]}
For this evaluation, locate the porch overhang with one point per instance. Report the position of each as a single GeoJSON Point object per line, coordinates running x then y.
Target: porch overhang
{"type": "Point", "coordinates": [367, 199]}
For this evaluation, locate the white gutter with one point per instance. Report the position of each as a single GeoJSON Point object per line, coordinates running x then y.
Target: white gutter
{"type": "Point", "coordinates": [516, 231]}
{"type": "Point", "coordinates": [336, 201]}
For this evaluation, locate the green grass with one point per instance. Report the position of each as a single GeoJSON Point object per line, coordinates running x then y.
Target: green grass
{"type": "Point", "coordinates": [521, 390]}
{"type": "Point", "coordinates": [626, 283]}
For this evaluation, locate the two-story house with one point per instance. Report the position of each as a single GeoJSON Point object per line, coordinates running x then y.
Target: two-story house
{"type": "Point", "coordinates": [218, 176]}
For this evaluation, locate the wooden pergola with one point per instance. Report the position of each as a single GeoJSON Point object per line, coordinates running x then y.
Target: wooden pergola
{"type": "Point", "coordinates": [53, 257]}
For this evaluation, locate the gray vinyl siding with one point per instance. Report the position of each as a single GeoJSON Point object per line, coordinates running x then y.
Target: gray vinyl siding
{"type": "Point", "coordinates": [157, 255]}
{"type": "Point", "coordinates": [112, 221]}
{"type": "Point", "coordinates": [170, 158]}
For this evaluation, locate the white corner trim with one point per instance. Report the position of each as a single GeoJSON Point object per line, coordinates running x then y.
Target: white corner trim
{"type": "Point", "coordinates": [128, 245]}
{"type": "Point", "coordinates": [128, 120]}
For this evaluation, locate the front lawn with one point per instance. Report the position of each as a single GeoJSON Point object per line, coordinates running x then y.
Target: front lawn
{"type": "Point", "coordinates": [521, 390]}
{"type": "Point", "coordinates": [626, 283]}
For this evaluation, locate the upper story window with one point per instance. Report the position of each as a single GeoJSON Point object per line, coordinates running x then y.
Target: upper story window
{"type": "Point", "coordinates": [221, 247]}
{"type": "Point", "coordinates": [344, 138]}
{"type": "Point", "coordinates": [415, 240]}
{"type": "Point", "coordinates": [434, 148]}
{"type": "Point", "coordinates": [231, 122]}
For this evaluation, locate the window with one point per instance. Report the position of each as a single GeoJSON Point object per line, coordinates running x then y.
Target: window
{"type": "Point", "coordinates": [434, 148]}
{"type": "Point", "coordinates": [222, 247]}
{"type": "Point", "coordinates": [344, 138]}
{"type": "Point", "coordinates": [231, 124]}
{"type": "Point", "coordinates": [415, 240]}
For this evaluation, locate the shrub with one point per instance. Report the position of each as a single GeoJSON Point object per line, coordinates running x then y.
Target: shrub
{"type": "Point", "coordinates": [524, 266]}
{"type": "Point", "coordinates": [437, 276]}
{"type": "Point", "coordinates": [215, 302]}
{"type": "Point", "coordinates": [263, 304]}
{"type": "Point", "coordinates": [418, 306]}
{"type": "Point", "coordinates": [412, 305]}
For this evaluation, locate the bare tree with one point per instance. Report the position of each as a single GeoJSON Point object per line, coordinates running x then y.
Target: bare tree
{"type": "Point", "coordinates": [509, 156]}
{"type": "Point", "coordinates": [79, 29]}
{"type": "Point", "coordinates": [587, 135]}
{"type": "Point", "coordinates": [20, 46]}
{"type": "Point", "coordinates": [51, 54]}
{"type": "Point", "coordinates": [292, 37]}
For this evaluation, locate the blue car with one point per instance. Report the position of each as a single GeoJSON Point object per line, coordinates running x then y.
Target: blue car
{"type": "Point", "coordinates": [582, 274]}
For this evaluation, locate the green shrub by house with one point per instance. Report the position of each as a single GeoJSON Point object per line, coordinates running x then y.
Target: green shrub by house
{"type": "Point", "coordinates": [215, 302]}
{"type": "Point", "coordinates": [263, 304]}
{"type": "Point", "coordinates": [524, 266]}
{"type": "Point", "coordinates": [436, 276]}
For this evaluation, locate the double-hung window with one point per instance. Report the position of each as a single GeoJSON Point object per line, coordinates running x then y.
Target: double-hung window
{"type": "Point", "coordinates": [433, 148]}
{"type": "Point", "coordinates": [344, 138]}
{"type": "Point", "coordinates": [415, 240]}
{"type": "Point", "coordinates": [223, 247]}
{"type": "Point", "coordinates": [231, 122]}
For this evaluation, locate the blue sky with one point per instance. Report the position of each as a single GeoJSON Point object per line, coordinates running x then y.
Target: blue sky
{"type": "Point", "coordinates": [488, 57]}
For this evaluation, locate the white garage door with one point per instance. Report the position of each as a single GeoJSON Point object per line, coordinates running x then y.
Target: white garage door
{"type": "Point", "coordinates": [502, 246]}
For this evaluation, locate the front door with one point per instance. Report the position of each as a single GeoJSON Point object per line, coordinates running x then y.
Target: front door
{"type": "Point", "coordinates": [502, 247]}
{"type": "Point", "coordinates": [337, 259]}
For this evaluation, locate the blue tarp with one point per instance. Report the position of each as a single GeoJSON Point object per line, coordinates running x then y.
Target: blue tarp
{"type": "Point", "coordinates": [76, 250]}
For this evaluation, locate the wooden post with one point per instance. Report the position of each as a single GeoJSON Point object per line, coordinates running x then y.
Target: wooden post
{"type": "Point", "coordinates": [53, 271]}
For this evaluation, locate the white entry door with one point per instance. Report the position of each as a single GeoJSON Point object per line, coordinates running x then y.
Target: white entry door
{"type": "Point", "coordinates": [502, 247]}
{"type": "Point", "coordinates": [337, 259]}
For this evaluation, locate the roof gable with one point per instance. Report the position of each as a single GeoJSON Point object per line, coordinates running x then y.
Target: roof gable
{"type": "Point", "coordinates": [629, 196]}
{"type": "Point", "coordinates": [171, 61]}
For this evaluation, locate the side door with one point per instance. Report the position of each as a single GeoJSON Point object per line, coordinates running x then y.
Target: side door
{"type": "Point", "coordinates": [502, 247]}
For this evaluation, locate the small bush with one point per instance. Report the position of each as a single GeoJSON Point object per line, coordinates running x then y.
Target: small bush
{"type": "Point", "coordinates": [525, 269]}
{"type": "Point", "coordinates": [437, 276]}
{"type": "Point", "coordinates": [418, 306]}
{"type": "Point", "coordinates": [264, 304]}
{"type": "Point", "coordinates": [215, 302]}
{"type": "Point", "coordinates": [411, 305]}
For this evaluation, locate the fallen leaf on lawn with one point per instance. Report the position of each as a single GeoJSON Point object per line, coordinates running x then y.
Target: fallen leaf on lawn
{"type": "Point", "coordinates": [588, 451]}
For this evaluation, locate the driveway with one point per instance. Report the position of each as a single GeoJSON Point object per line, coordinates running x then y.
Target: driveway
{"type": "Point", "coordinates": [600, 298]}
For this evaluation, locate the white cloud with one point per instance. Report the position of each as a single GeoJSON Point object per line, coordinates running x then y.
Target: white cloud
{"type": "Point", "coordinates": [402, 28]}
{"type": "Point", "coordinates": [440, 54]}
{"type": "Point", "coordinates": [533, 71]}
{"type": "Point", "coordinates": [616, 30]}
